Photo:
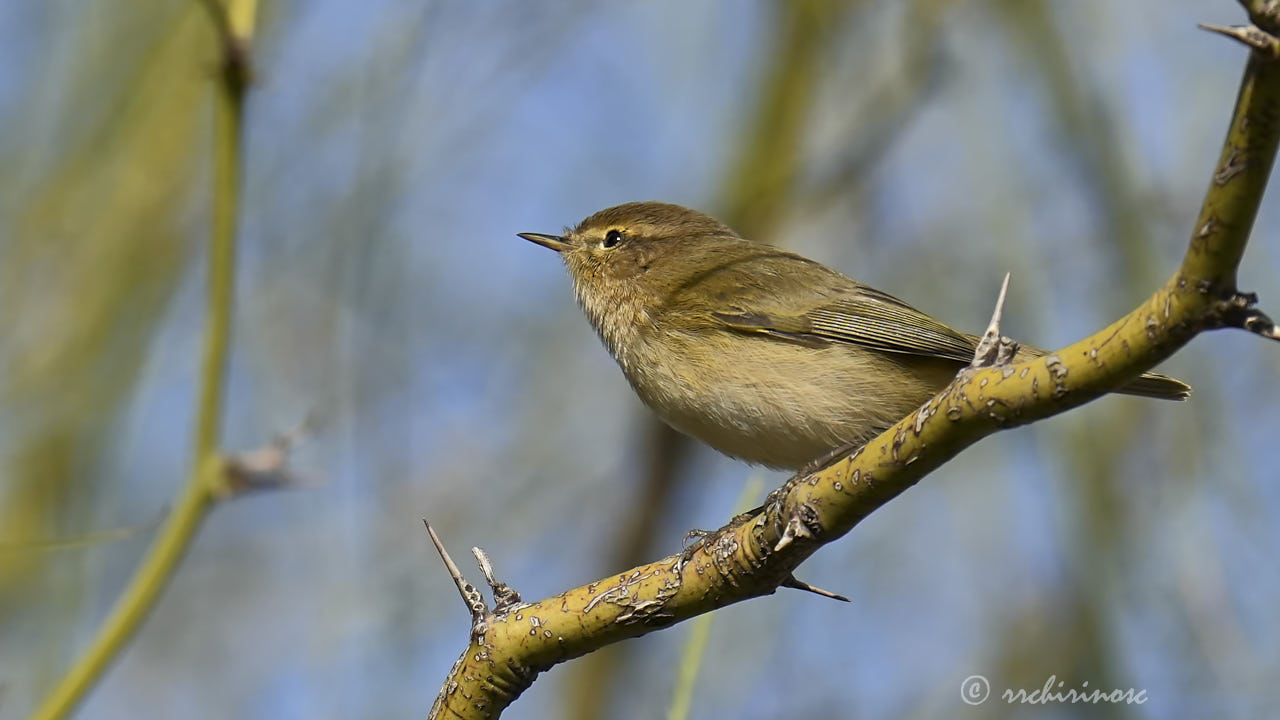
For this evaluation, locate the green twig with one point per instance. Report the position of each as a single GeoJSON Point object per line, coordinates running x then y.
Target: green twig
{"type": "Point", "coordinates": [695, 649]}
{"type": "Point", "coordinates": [205, 478]}
{"type": "Point", "coordinates": [89, 539]}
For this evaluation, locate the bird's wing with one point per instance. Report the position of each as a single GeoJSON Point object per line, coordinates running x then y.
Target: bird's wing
{"type": "Point", "coordinates": [862, 316]}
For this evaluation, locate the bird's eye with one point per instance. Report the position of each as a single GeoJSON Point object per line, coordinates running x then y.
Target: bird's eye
{"type": "Point", "coordinates": [612, 238]}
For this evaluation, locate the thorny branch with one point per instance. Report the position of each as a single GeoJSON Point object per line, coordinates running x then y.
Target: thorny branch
{"type": "Point", "coordinates": [757, 553]}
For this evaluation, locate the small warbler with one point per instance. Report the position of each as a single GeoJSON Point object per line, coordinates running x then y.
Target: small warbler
{"type": "Point", "coordinates": [762, 354]}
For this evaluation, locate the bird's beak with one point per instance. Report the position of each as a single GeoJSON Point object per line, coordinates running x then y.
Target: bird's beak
{"type": "Point", "coordinates": [556, 242]}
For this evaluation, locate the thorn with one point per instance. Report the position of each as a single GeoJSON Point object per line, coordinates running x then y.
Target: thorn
{"type": "Point", "coordinates": [1231, 31]}
{"type": "Point", "coordinates": [988, 352]}
{"type": "Point", "coordinates": [793, 582]}
{"type": "Point", "coordinates": [1251, 35]}
{"type": "Point", "coordinates": [1271, 332]}
{"type": "Point", "coordinates": [471, 597]}
{"type": "Point", "coordinates": [504, 596]}
{"type": "Point", "coordinates": [486, 565]}
{"type": "Point", "coordinates": [1242, 313]}
{"type": "Point", "coordinates": [795, 529]}
{"type": "Point", "coordinates": [1257, 322]}
{"type": "Point", "coordinates": [454, 572]}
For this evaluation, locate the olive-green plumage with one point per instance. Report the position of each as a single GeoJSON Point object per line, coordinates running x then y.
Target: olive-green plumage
{"type": "Point", "coordinates": [763, 354]}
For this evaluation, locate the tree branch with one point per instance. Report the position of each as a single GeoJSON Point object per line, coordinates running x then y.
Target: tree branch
{"type": "Point", "coordinates": [755, 554]}
{"type": "Point", "coordinates": [207, 477]}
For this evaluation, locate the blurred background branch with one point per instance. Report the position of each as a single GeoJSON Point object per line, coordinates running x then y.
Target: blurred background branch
{"type": "Point", "coordinates": [206, 480]}
{"type": "Point", "coordinates": [94, 235]}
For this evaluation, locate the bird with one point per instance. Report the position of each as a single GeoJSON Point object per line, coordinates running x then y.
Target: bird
{"type": "Point", "coordinates": [763, 354]}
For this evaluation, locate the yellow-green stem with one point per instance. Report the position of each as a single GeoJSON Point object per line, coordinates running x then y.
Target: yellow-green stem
{"type": "Point", "coordinates": [205, 478]}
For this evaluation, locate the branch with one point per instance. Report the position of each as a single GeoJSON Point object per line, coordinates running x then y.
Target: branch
{"type": "Point", "coordinates": [206, 479]}
{"type": "Point", "coordinates": [757, 553]}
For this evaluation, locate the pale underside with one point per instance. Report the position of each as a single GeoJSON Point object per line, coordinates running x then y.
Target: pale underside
{"type": "Point", "coordinates": [782, 405]}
